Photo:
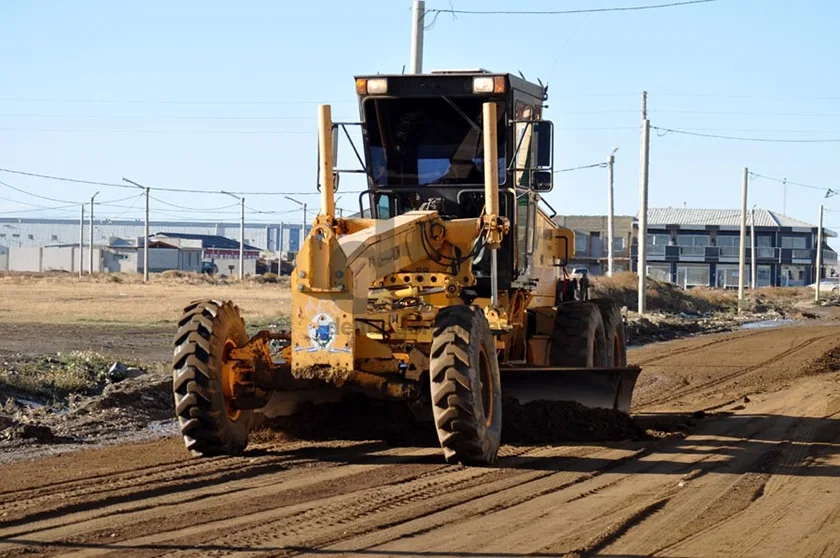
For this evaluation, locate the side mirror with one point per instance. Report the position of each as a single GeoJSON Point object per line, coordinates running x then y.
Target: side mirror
{"type": "Point", "coordinates": [542, 181]}
{"type": "Point", "coordinates": [544, 135]}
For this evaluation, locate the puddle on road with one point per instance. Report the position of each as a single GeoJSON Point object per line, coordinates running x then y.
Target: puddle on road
{"type": "Point", "coordinates": [767, 324]}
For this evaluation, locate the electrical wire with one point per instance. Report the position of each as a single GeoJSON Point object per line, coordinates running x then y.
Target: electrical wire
{"type": "Point", "coordinates": [33, 195]}
{"type": "Point", "coordinates": [139, 117]}
{"type": "Point", "coordinates": [194, 209]}
{"type": "Point", "coordinates": [828, 191]}
{"type": "Point", "coordinates": [592, 166]}
{"type": "Point", "coordinates": [159, 189]}
{"type": "Point", "coordinates": [566, 12]}
{"type": "Point", "coordinates": [162, 132]}
{"type": "Point", "coordinates": [163, 101]}
{"type": "Point", "coordinates": [666, 131]}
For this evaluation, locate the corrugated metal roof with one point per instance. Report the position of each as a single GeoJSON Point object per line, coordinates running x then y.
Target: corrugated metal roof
{"type": "Point", "coordinates": [661, 216]}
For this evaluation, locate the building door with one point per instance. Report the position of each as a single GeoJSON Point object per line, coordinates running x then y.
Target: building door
{"type": "Point", "coordinates": [596, 245]}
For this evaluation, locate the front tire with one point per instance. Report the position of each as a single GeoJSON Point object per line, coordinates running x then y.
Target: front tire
{"type": "Point", "coordinates": [207, 332]}
{"type": "Point", "coordinates": [465, 386]}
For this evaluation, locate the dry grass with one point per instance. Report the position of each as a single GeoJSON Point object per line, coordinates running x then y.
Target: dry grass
{"type": "Point", "coordinates": [64, 298]}
{"type": "Point", "coordinates": [672, 299]}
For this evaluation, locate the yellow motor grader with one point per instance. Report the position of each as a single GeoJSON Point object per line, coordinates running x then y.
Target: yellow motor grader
{"type": "Point", "coordinates": [447, 291]}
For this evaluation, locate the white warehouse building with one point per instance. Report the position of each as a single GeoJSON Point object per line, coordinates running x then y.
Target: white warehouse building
{"type": "Point", "coordinates": [29, 232]}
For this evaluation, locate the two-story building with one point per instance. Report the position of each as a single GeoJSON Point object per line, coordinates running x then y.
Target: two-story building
{"type": "Point", "coordinates": [701, 247]}
{"type": "Point", "coordinates": [591, 241]}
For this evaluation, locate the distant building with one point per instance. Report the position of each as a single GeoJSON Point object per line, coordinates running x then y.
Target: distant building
{"type": "Point", "coordinates": [701, 247]}
{"type": "Point", "coordinates": [186, 252]}
{"type": "Point", "coordinates": [591, 241]}
{"type": "Point", "coordinates": [22, 232]}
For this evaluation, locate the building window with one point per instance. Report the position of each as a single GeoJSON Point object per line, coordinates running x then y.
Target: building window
{"type": "Point", "coordinates": [581, 244]}
{"type": "Point", "coordinates": [794, 242]}
{"type": "Point", "coordinates": [693, 275]}
{"type": "Point", "coordinates": [618, 244]}
{"type": "Point", "coordinates": [727, 276]}
{"type": "Point", "coordinates": [693, 244]}
{"type": "Point", "coordinates": [55, 237]}
{"type": "Point", "coordinates": [31, 236]}
{"type": "Point", "coordinates": [657, 243]}
{"type": "Point", "coordinates": [15, 235]}
{"type": "Point", "coordinates": [2, 235]}
{"type": "Point", "coordinates": [793, 276]}
{"type": "Point", "coordinates": [659, 272]}
{"type": "Point", "coordinates": [763, 276]}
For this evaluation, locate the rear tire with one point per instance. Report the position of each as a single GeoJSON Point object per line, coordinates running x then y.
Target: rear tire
{"type": "Point", "coordinates": [206, 332]}
{"type": "Point", "coordinates": [578, 339]}
{"type": "Point", "coordinates": [615, 336]}
{"type": "Point", "coordinates": [465, 386]}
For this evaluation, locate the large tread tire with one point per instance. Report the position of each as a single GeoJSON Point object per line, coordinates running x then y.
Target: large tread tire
{"type": "Point", "coordinates": [463, 362]}
{"type": "Point", "coordinates": [205, 423]}
{"type": "Point", "coordinates": [578, 339]}
{"type": "Point", "coordinates": [616, 338]}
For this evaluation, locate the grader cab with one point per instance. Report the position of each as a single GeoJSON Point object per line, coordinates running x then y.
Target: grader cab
{"type": "Point", "coordinates": [447, 291]}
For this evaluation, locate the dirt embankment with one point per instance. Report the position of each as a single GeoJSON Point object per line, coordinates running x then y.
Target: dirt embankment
{"type": "Point", "coordinates": [674, 312]}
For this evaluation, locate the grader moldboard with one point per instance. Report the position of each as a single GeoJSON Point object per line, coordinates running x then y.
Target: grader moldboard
{"type": "Point", "coordinates": [447, 292]}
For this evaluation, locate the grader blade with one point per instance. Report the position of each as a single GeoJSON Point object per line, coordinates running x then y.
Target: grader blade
{"type": "Point", "coordinates": [608, 388]}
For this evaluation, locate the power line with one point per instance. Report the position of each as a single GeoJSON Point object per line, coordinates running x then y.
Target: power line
{"type": "Point", "coordinates": [161, 132]}
{"type": "Point", "coordinates": [195, 209]}
{"type": "Point", "coordinates": [153, 117]}
{"type": "Point", "coordinates": [34, 195]}
{"type": "Point", "coordinates": [592, 166]}
{"type": "Point", "coordinates": [160, 189]}
{"type": "Point", "coordinates": [568, 12]}
{"type": "Point", "coordinates": [666, 131]}
{"type": "Point", "coordinates": [162, 101]}
{"type": "Point", "coordinates": [828, 191]}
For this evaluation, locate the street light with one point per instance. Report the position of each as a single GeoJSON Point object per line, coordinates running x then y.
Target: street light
{"type": "Point", "coordinates": [303, 225]}
{"type": "Point", "coordinates": [145, 230]}
{"type": "Point", "coordinates": [241, 233]}
{"type": "Point", "coordinates": [90, 261]}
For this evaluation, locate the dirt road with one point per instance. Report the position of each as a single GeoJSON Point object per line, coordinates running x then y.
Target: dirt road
{"type": "Point", "coordinates": [756, 476]}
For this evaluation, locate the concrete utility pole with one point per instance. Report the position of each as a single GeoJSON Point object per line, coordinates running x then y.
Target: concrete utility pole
{"type": "Point", "coordinates": [418, 16]}
{"type": "Point", "coordinates": [241, 233]}
{"type": "Point", "coordinates": [90, 261]}
{"type": "Point", "coordinates": [819, 255]}
{"type": "Point", "coordinates": [145, 231]}
{"type": "Point", "coordinates": [644, 175]}
{"type": "Point", "coordinates": [743, 251]}
{"type": "Point", "coordinates": [303, 223]}
{"type": "Point", "coordinates": [82, 242]}
{"type": "Point", "coordinates": [753, 279]}
{"type": "Point", "coordinates": [610, 217]}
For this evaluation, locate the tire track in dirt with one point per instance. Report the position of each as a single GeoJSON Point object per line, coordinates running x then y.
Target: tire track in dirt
{"type": "Point", "coordinates": [696, 348]}
{"type": "Point", "coordinates": [732, 375]}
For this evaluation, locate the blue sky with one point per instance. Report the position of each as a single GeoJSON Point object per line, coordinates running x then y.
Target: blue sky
{"type": "Point", "coordinates": [223, 95]}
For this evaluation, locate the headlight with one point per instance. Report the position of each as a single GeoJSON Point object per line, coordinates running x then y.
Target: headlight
{"type": "Point", "coordinates": [489, 84]}
{"type": "Point", "coordinates": [377, 86]}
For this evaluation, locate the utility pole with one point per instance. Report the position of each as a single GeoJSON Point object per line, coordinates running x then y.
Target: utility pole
{"type": "Point", "coordinates": [82, 242]}
{"type": "Point", "coordinates": [784, 196]}
{"type": "Point", "coordinates": [644, 175]}
{"type": "Point", "coordinates": [90, 261]}
{"type": "Point", "coordinates": [145, 231]}
{"type": "Point", "coordinates": [418, 16]}
{"type": "Point", "coordinates": [819, 256]}
{"type": "Point", "coordinates": [743, 251]}
{"type": "Point", "coordinates": [753, 279]}
{"type": "Point", "coordinates": [610, 217]}
{"type": "Point", "coordinates": [241, 233]}
{"type": "Point", "coordinates": [303, 223]}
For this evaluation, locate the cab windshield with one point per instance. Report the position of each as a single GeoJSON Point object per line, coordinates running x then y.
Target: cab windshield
{"type": "Point", "coordinates": [426, 141]}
